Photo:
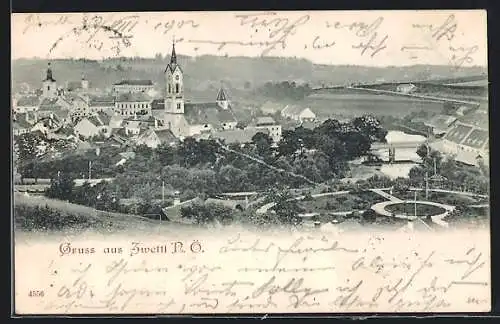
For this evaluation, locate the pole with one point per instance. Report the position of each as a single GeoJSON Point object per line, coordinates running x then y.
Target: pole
{"type": "Point", "coordinates": [435, 169]}
{"type": "Point", "coordinates": [162, 193]}
{"type": "Point", "coordinates": [90, 169]}
{"type": "Point", "coordinates": [426, 186]}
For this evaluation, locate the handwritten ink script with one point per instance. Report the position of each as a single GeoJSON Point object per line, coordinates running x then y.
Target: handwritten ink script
{"type": "Point", "coordinates": [426, 38]}
{"type": "Point", "coordinates": [248, 272]}
{"type": "Point", "coordinates": [441, 38]}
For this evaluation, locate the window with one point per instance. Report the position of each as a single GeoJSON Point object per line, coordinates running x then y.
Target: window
{"type": "Point", "coordinates": [169, 88]}
{"type": "Point", "coordinates": [178, 106]}
{"type": "Point", "coordinates": [176, 88]}
{"type": "Point", "coordinates": [48, 88]}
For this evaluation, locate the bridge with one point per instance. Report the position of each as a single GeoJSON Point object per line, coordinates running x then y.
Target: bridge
{"type": "Point", "coordinates": [391, 148]}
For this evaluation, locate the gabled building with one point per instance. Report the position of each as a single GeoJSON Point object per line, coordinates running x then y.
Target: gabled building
{"type": "Point", "coordinates": [298, 113]}
{"type": "Point", "coordinates": [154, 138]}
{"type": "Point", "coordinates": [92, 126]}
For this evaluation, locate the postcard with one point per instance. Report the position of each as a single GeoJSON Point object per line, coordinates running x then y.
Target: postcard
{"type": "Point", "coordinates": [250, 162]}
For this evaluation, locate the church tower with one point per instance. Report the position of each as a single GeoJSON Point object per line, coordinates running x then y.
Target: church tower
{"type": "Point", "coordinates": [49, 84]}
{"type": "Point", "coordinates": [222, 100]}
{"type": "Point", "coordinates": [174, 98]}
{"type": "Point", "coordinates": [174, 86]}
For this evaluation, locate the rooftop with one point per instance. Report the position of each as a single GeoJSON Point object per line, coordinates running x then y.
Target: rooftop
{"type": "Point", "coordinates": [135, 82]}
{"type": "Point", "coordinates": [133, 97]}
{"type": "Point", "coordinates": [265, 121]}
{"type": "Point", "coordinates": [207, 113]}
{"type": "Point", "coordinates": [458, 133]}
{"type": "Point", "coordinates": [28, 101]}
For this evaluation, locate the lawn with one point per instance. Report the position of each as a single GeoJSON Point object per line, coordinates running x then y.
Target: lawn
{"type": "Point", "coordinates": [440, 197]}
{"type": "Point", "coordinates": [361, 200]}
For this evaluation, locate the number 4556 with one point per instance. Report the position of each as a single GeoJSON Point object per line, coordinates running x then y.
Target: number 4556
{"type": "Point", "coordinates": [36, 293]}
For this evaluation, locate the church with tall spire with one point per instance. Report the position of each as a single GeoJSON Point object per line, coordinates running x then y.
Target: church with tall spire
{"type": "Point", "coordinates": [185, 118]}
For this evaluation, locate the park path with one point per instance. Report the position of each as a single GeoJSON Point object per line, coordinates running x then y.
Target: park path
{"type": "Point", "coordinates": [386, 195]}
{"type": "Point", "coordinates": [263, 209]}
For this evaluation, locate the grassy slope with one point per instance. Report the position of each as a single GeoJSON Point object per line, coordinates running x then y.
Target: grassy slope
{"type": "Point", "coordinates": [94, 216]}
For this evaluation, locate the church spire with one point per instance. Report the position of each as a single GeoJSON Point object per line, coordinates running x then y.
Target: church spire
{"type": "Point", "coordinates": [173, 57]}
{"type": "Point", "coordinates": [221, 96]}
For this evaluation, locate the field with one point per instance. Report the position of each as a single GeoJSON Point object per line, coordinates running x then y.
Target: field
{"type": "Point", "coordinates": [354, 104]}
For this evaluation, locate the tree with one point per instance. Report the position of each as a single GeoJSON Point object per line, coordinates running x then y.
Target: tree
{"type": "Point", "coordinates": [285, 206]}
{"type": "Point", "coordinates": [28, 153]}
{"type": "Point", "coordinates": [61, 187]}
{"type": "Point", "coordinates": [370, 126]}
{"type": "Point", "coordinates": [262, 144]}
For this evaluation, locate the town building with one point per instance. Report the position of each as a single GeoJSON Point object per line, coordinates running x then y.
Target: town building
{"type": "Point", "coordinates": [273, 128]}
{"type": "Point", "coordinates": [467, 141]}
{"type": "Point", "coordinates": [298, 113]}
{"type": "Point", "coordinates": [104, 104]}
{"type": "Point", "coordinates": [131, 86]}
{"type": "Point", "coordinates": [406, 88]}
{"type": "Point", "coordinates": [21, 124]}
{"type": "Point", "coordinates": [133, 104]}
{"type": "Point", "coordinates": [187, 118]}
{"type": "Point", "coordinates": [25, 104]}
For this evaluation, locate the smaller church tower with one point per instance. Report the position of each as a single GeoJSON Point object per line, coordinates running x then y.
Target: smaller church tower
{"type": "Point", "coordinates": [49, 84]}
{"type": "Point", "coordinates": [222, 100]}
{"type": "Point", "coordinates": [85, 83]}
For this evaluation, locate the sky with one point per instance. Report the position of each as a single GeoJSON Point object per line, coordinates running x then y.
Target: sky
{"type": "Point", "coordinates": [372, 38]}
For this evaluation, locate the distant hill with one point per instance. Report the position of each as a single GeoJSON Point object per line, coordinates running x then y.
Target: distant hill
{"type": "Point", "coordinates": [240, 73]}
